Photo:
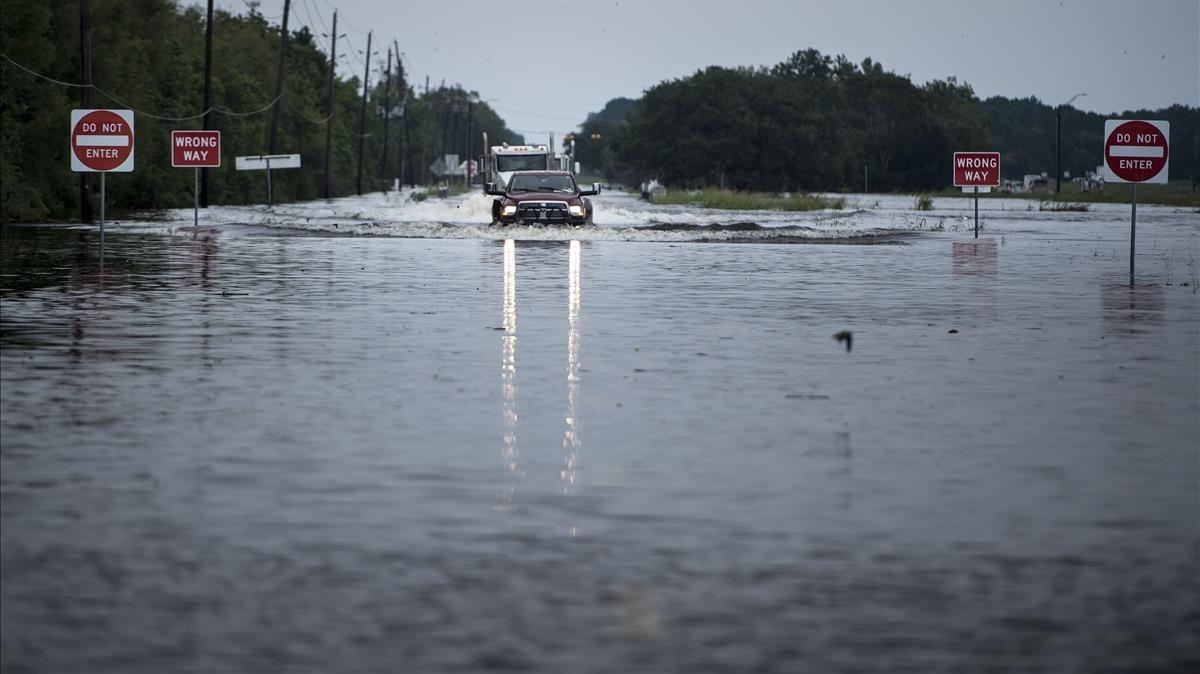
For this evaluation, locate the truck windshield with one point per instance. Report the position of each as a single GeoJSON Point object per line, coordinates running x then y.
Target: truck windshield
{"type": "Point", "coordinates": [541, 183]}
{"type": "Point", "coordinates": [521, 162]}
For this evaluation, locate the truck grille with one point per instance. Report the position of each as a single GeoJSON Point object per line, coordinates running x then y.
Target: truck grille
{"type": "Point", "coordinates": [548, 211]}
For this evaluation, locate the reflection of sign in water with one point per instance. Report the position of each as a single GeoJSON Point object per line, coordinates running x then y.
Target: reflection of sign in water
{"type": "Point", "coordinates": [976, 258]}
{"type": "Point", "coordinates": [1130, 309]}
{"type": "Point", "coordinates": [973, 266]}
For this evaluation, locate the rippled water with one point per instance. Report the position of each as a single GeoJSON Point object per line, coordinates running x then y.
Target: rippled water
{"type": "Point", "coordinates": [443, 449]}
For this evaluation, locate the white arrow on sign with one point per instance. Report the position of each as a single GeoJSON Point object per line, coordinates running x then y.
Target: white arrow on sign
{"type": "Point", "coordinates": [267, 161]}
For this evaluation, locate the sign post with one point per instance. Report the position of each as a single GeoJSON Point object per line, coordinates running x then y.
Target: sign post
{"type": "Point", "coordinates": [976, 172]}
{"type": "Point", "coordinates": [196, 149]}
{"type": "Point", "coordinates": [258, 162]}
{"type": "Point", "coordinates": [1136, 151]}
{"type": "Point", "coordinates": [102, 142]}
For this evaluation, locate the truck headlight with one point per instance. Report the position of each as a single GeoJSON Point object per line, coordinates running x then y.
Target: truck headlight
{"type": "Point", "coordinates": [509, 210]}
{"type": "Point", "coordinates": [575, 211]}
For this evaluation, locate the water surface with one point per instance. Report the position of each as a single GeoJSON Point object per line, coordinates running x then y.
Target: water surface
{"type": "Point", "coordinates": [276, 448]}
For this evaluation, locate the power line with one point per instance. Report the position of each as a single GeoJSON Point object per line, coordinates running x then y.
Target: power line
{"type": "Point", "coordinates": [165, 118]}
{"type": "Point", "coordinates": [317, 10]}
{"type": "Point", "coordinates": [350, 25]}
{"type": "Point", "coordinates": [48, 79]}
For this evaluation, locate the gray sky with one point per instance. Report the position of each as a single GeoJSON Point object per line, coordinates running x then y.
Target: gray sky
{"type": "Point", "coordinates": [544, 65]}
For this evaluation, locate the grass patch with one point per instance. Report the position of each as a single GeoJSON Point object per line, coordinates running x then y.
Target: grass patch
{"type": "Point", "coordinates": [1177, 193]}
{"type": "Point", "coordinates": [1062, 206]}
{"type": "Point", "coordinates": [712, 197]}
{"type": "Point", "coordinates": [923, 202]}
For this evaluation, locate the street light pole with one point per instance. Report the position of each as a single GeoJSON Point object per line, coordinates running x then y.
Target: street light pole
{"type": "Point", "coordinates": [1058, 143]}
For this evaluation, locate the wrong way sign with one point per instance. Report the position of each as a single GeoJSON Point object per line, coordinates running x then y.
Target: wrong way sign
{"type": "Point", "coordinates": [976, 169]}
{"type": "Point", "coordinates": [1136, 150]}
{"type": "Point", "coordinates": [194, 148]}
{"type": "Point", "coordinates": [102, 141]}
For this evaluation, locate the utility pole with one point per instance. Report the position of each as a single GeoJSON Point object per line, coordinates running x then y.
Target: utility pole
{"type": "Point", "coordinates": [387, 115]}
{"type": "Point", "coordinates": [362, 117]}
{"type": "Point", "coordinates": [329, 118]}
{"type": "Point", "coordinates": [1195, 160]}
{"type": "Point", "coordinates": [1058, 149]}
{"type": "Point", "coordinates": [85, 76]}
{"type": "Point", "coordinates": [468, 159]}
{"type": "Point", "coordinates": [208, 37]}
{"type": "Point", "coordinates": [402, 92]}
{"type": "Point", "coordinates": [445, 119]}
{"type": "Point", "coordinates": [403, 129]}
{"type": "Point", "coordinates": [279, 79]}
{"type": "Point", "coordinates": [1058, 143]}
{"type": "Point", "coordinates": [456, 111]}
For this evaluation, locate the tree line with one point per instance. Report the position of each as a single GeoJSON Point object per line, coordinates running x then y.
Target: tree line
{"type": "Point", "coordinates": [149, 55]}
{"type": "Point", "coordinates": [815, 122]}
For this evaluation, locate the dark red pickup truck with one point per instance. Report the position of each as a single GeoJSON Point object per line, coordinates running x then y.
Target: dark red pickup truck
{"type": "Point", "coordinates": [542, 198]}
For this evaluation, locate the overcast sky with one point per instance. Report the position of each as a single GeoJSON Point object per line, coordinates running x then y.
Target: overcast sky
{"type": "Point", "coordinates": [544, 65]}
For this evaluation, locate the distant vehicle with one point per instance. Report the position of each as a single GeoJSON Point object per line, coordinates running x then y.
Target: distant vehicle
{"type": "Point", "coordinates": [542, 198]}
{"type": "Point", "coordinates": [501, 161]}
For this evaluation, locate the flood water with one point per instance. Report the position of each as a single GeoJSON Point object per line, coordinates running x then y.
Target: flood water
{"type": "Point", "coordinates": [275, 447]}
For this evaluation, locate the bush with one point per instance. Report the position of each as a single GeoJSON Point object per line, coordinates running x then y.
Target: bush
{"type": "Point", "coordinates": [924, 202]}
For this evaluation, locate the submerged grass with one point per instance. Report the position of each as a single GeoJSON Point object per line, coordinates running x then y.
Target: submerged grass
{"type": "Point", "coordinates": [713, 197]}
{"type": "Point", "coordinates": [1177, 193]}
{"type": "Point", "coordinates": [1060, 206]}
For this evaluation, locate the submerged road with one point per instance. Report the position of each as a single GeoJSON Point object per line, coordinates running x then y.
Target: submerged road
{"type": "Point", "coordinates": [617, 450]}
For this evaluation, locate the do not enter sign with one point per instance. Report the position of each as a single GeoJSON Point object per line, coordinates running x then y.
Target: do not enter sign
{"type": "Point", "coordinates": [102, 140]}
{"type": "Point", "coordinates": [1136, 151]}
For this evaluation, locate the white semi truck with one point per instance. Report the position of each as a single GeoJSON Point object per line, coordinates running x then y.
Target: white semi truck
{"type": "Point", "coordinates": [501, 161]}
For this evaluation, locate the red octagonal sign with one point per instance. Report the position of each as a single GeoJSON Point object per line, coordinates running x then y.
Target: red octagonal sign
{"type": "Point", "coordinates": [102, 140]}
{"type": "Point", "coordinates": [1136, 151]}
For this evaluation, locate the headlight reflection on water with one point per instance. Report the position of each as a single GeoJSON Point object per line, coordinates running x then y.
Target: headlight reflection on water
{"type": "Point", "coordinates": [571, 442]}
{"type": "Point", "coordinates": [570, 472]}
{"type": "Point", "coordinates": [508, 369]}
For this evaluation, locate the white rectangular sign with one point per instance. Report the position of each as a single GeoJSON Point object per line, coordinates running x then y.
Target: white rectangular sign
{"type": "Point", "coordinates": [264, 161]}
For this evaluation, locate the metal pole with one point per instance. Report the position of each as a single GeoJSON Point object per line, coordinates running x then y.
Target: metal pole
{"type": "Point", "coordinates": [196, 206]}
{"type": "Point", "coordinates": [270, 197]}
{"type": "Point", "coordinates": [977, 212]}
{"type": "Point", "coordinates": [102, 198]}
{"type": "Point", "coordinates": [1132, 230]}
